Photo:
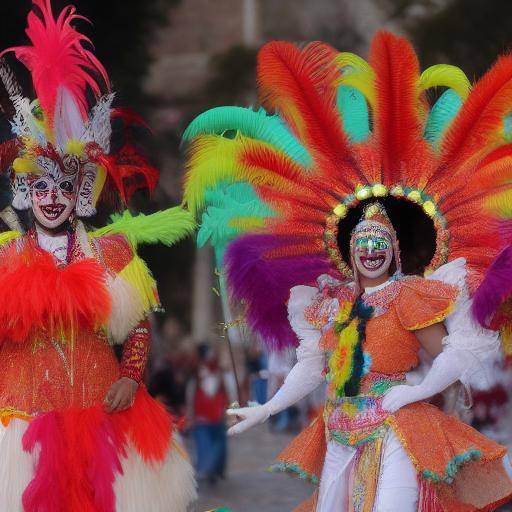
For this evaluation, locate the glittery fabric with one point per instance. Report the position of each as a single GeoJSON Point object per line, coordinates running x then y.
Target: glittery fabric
{"type": "Point", "coordinates": [365, 476]}
{"type": "Point", "coordinates": [47, 374]}
{"type": "Point", "coordinates": [114, 251]}
{"type": "Point", "coordinates": [135, 353]}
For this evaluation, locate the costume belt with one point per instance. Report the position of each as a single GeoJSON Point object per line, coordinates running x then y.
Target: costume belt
{"type": "Point", "coordinates": [355, 420]}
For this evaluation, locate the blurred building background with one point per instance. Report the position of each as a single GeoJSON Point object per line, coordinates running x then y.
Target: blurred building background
{"type": "Point", "coordinates": [171, 59]}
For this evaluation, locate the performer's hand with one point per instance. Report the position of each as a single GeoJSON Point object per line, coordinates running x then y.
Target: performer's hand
{"type": "Point", "coordinates": [399, 396]}
{"type": "Point", "coordinates": [121, 395]}
{"type": "Point", "coordinates": [249, 416]}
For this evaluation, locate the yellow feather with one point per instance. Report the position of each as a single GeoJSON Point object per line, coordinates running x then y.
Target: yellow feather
{"type": "Point", "coordinates": [7, 236]}
{"type": "Point", "coordinates": [448, 76]}
{"type": "Point", "coordinates": [99, 183]}
{"type": "Point", "coordinates": [500, 205]}
{"type": "Point", "coordinates": [340, 363]}
{"type": "Point", "coordinates": [247, 223]}
{"type": "Point", "coordinates": [25, 166]}
{"type": "Point", "coordinates": [75, 147]}
{"type": "Point", "coordinates": [357, 73]}
{"type": "Point", "coordinates": [139, 276]}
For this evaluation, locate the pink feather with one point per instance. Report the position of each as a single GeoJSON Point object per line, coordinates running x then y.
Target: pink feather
{"type": "Point", "coordinates": [58, 59]}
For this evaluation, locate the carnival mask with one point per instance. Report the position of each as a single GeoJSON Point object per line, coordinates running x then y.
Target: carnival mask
{"type": "Point", "coordinates": [54, 193]}
{"type": "Point", "coordinates": [372, 253]}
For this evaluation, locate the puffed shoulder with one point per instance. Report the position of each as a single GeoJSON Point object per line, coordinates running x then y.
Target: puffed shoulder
{"type": "Point", "coordinates": [423, 302]}
{"type": "Point", "coordinates": [115, 251]}
{"type": "Point", "coordinates": [300, 298]}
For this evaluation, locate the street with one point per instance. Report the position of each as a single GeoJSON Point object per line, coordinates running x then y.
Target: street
{"type": "Point", "coordinates": [249, 486]}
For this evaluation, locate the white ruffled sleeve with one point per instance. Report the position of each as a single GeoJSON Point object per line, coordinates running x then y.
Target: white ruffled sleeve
{"type": "Point", "coordinates": [307, 373]}
{"type": "Point", "coordinates": [477, 348]}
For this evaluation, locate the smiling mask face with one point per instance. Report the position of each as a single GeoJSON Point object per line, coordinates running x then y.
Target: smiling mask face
{"type": "Point", "coordinates": [372, 253]}
{"type": "Point", "coordinates": [53, 193]}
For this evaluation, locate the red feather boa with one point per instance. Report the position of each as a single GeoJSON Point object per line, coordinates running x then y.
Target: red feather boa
{"type": "Point", "coordinates": [37, 296]}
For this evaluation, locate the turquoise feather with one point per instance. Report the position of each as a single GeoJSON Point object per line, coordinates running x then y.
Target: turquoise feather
{"type": "Point", "coordinates": [507, 128]}
{"type": "Point", "coordinates": [441, 115]}
{"type": "Point", "coordinates": [225, 204]}
{"type": "Point", "coordinates": [353, 109]}
{"type": "Point", "coordinates": [257, 125]}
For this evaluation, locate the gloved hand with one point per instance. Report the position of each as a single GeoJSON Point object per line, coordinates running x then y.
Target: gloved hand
{"type": "Point", "coordinates": [446, 369]}
{"type": "Point", "coordinates": [251, 416]}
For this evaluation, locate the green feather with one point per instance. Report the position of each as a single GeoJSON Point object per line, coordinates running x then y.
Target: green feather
{"type": "Point", "coordinates": [257, 125]}
{"type": "Point", "coordinates": [165, 227]}
{"type": "Point", "coordinates": [441, 115]}
{"type": "Point", "coordinates": [354, 112]}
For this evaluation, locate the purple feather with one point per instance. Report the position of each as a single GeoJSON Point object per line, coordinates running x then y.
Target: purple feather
{"type": "Point", "coordinates": [264, 284]}
{"type": "Point", "coordinates": [495, 289]}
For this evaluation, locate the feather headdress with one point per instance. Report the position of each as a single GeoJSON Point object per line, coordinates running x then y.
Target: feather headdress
{"type": "Point", "coordinates": [61, 124]}
{"type": "Point", "coordinates": [338, 131]}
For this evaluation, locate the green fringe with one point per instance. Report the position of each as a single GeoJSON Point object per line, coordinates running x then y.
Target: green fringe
{"type": "Point", "coordinates": [296, 470]}
{"type": "Point", "coordinates": [453, 466]}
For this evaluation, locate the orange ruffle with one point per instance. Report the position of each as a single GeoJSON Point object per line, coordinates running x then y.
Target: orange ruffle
{"type": "Point", "coordinates": [450, 454]}
{"type": "Point", "coordinates": [423, 302]}
{"type": "Point", "coordinates": [304, 456]}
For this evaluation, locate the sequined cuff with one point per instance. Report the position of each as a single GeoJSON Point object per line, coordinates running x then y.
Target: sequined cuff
{"type": "Point", "coordinates": [135, 353]}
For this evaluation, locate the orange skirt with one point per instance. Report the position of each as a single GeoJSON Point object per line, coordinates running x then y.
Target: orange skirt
{"type": "Point", "coordinates": [463, 469]}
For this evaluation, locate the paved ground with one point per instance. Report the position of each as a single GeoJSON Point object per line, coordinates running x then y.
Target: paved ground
{"type": "Point", "coordinates": [249, 487]}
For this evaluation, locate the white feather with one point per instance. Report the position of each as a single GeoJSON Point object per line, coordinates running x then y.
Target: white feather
{"type": "Point", "coordinates": [166, 488]}
{"type": "Point", "coordinates": [127, 309]}
{"type": "Point", "coordinates": [16, 466]}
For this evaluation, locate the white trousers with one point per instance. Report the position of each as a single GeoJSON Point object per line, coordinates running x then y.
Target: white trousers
{"type": "Point", "coordinates": [397, 488]}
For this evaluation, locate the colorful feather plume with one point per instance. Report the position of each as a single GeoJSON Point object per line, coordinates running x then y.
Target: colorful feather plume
{"type": "Point", "coordinates": [369, 131]}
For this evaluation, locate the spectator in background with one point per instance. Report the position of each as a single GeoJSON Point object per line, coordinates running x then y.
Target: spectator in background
{"type": "Point", "coordinates": [207, 400]}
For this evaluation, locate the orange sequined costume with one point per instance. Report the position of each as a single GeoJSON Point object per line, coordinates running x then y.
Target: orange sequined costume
{"type": "Point", "coordinates": [55, 373]}
{"type": "Point", "coordinates": [458, 468]}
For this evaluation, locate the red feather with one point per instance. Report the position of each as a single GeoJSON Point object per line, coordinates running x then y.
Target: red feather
{"type": "Point", "coordinates": [58, 59]}
{"type": "Point", "coordinates": [299, 84]}
{"type": "Point", "coordinates": [477, 128]}
{"type": "Point", "coordinates": [397, 125]}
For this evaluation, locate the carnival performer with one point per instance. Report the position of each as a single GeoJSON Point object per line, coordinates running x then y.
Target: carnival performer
{"type": "Point", "coordinates": [334, 201]}
{"type": "Point", "coordinates": [79, 432]}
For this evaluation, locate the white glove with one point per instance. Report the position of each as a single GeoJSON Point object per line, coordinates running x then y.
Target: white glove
{"type": "Point", "coordinates": [251, 416]}
{"type": "Point", "coordinates": [303, 378]}
{"type": "Point", "coordinates": [446, 369]}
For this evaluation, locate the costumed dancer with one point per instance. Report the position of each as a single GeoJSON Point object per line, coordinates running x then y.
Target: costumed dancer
{"type": "Point", "coordinates": [337, 198]}
{"type": "Point", "coordinates": [79, 431]}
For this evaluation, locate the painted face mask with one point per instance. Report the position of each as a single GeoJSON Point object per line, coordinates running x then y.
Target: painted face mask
{"type": "Point", "coordinates": [54, 193]}
{"type": "Point", "coordinates": [372, 254]}
{"type": "Point", "coordinates": [373, 244]}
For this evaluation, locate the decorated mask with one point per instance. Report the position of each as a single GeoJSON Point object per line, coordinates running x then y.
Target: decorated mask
{"type": "Point", "coordinates": [373, 244]}
{"type": "Point", "coordinates": [53, 193]}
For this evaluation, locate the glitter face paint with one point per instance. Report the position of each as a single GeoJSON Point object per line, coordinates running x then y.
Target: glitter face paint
{"type": "Point", "coordinates": [372, 253]}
